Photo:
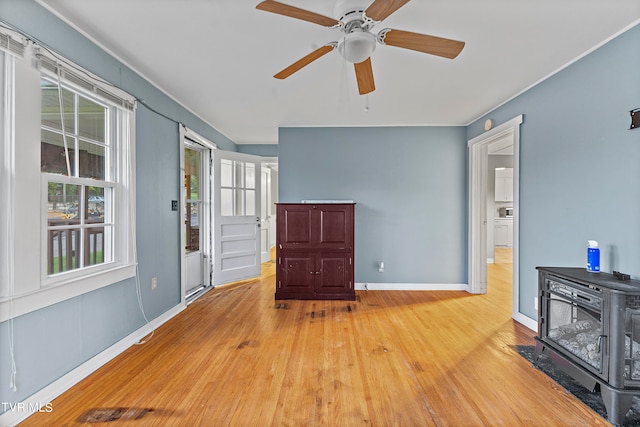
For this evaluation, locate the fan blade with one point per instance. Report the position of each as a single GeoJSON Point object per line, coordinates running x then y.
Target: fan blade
{"type": "Point", "coordinates": [364, 76]}
{"type": "Point", "coordinates": [433, 45]}
{"type": "Point", "coordinates": [381, 9]}
{"type": "Point", "coordinates": [295, 12]}
{"type": "Point", "coordinates": [301, 63]}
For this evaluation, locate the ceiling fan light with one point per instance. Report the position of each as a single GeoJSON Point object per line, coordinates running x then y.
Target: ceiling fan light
{"type": "Point", "coordinates": [357, 46]}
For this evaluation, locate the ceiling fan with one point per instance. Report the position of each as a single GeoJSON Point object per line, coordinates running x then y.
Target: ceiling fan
{"type": "Point", "coordinates": [358, 42]}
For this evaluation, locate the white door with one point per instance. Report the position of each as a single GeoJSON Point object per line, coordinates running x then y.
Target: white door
{"type": "Point", "coordinates": [237, 221]}
{"type": "Point", "coordinates": [265, 215]}
{"type": "Point", "coordinates": [196, 194]}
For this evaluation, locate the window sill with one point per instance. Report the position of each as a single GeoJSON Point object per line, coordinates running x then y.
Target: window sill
{"type": "Point", "coordinates": [26, 303]}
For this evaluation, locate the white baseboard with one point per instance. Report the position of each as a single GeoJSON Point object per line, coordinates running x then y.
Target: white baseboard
{"type": "Point", "coordinates": [526, 321]}
{"type": "Point", "coordinates": [411, 287]}
{"type": "Point", "coordinates": [41, 400]}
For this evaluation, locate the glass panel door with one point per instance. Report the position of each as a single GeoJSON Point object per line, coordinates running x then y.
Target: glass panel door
{"type": "Point", "coordinates": [195, 218]}
{"type": "Point", "coordinates": [237, 216]}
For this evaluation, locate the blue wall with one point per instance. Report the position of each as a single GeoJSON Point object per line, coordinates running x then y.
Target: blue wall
{"type": "Point", "coordinates": [409, 184]}
{"type": "Point", "coordinates": [579, 164]}
{"type": "Point", "coordinates": [52, 341]}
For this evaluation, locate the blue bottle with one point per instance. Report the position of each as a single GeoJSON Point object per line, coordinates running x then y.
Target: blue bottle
{"type": "Point", "coordinates": [593, 257]}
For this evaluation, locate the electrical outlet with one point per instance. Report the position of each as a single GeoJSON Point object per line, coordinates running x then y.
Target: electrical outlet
{"type": "Point", "coordinates": [535, 303]}
{"type": "Point", "coordinates": [154, 283]}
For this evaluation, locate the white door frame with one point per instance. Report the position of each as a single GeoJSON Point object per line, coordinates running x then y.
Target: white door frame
{"type": "Point", "coordinates": [265, 214]}
{"type": "Point", "coordinates": [270, 164]}
{"type": "Point", "coordinates": [206, 244]}
{"type": "Point", "coordinates": [478, 173]}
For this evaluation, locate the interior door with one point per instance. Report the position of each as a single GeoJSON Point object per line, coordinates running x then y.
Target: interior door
{"type": "Point", "coordinates": [237, 222]}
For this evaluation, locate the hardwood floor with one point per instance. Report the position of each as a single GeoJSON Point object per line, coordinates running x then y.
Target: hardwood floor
{"type": "Point", "coordinates": [503, 255]}
{"type": "Point", "coordinates": [391, 358]}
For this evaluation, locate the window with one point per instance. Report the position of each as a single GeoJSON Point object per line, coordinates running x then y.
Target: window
{"type": "Point", "coordinates": [68, 156]}
{"type": "Point", "coordinates": [237, 188]}
{"type": "Point", "coordinates": [76, 156]}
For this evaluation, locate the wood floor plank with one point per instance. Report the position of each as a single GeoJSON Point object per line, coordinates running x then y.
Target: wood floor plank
{"type": "Point", "coordinates": [391, 358]}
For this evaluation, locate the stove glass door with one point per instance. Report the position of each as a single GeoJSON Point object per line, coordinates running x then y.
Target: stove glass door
{"type": "Point", "coordinates": [574, 322]}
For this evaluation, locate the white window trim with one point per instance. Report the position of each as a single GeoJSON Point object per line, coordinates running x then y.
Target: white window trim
{"type": "Point", "coordinates": [7, 169]}
{"type": "Point", "coordinates": [20, 298]}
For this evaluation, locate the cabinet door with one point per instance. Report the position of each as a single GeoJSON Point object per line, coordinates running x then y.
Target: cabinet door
{"type": "Point", "coordinates": [297, 273]}
{"type": "Point", "coordinates": [504, 185]}
{"type": "Point", "coordinates": [501, 235]}
{"type": "Point", "coordinates": [334, 226]}
{"type": "Point", "coordinates": [335, 273]}
{"type": "Point", "coordinates": [294, 226]}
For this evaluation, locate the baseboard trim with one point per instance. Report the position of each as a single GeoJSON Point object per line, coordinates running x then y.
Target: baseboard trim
{"type": "Point", "coordinates": [40, 401]}
{"type": "Point", "coordinates": [411, 287]}
{"type": "Point", "coordinates": [526, 321]}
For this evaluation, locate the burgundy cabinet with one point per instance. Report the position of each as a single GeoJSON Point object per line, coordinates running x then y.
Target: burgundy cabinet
{"type": "Point", "coordinates": [314, 251]}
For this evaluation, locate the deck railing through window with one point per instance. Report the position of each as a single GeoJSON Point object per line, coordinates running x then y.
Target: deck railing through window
{"type": "Point", "coordinates": [64, 247]}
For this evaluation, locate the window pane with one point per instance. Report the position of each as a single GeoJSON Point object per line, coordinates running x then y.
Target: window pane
{"type": "Point", "coordinates": [192, 174]}
{"type": "Point", "coordinates": [91, 120]}
{"type": "Point", "coordinates": [226, 173]}
{"type": "Point", "coordinates": [251, 202]}
{"type": "Point", "coordinates": [63, 204]}
{"type": "Point", "coordinates": [239, 174]}
{"type": "Point", "coordinates": [251, 175]}
{"type": "Point", "coordinates": [52, 154]}
{"type": "Point", "coordinates": [50, 107]}
{"type": "Point", "coordinates": [94, 205]}
{"type": "Point", "coordinates": [63, 246]}
{"type": "Point", "coordinates": [92, 160]}
{"type": "Point", "coordinates": [239, 202]}
{"type": "Point", "coordinates": [226, 202]}
{"type": "Point", "coordinates": [193, 226]}
{"type": "Point", "coordinates": [94, 245]}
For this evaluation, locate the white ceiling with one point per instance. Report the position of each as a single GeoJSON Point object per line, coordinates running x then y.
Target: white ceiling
{"type": "Point", "coordinates": [217, 58]}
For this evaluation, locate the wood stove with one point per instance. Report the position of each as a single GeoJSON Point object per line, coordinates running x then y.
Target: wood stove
{"type": "Point", "coordinates": [589, 324]}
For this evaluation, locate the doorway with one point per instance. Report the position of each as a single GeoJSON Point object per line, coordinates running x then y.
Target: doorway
{"type": "Point", "coordinates": [268, 206]}
{"type": "Point", "coordinates": [509, 134]}
{"type": "Point", "coordinates": [196, 215]}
